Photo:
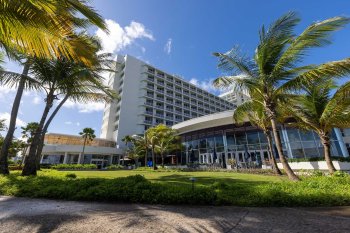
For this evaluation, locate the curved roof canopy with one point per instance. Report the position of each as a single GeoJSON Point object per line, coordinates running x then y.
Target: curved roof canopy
{"type": "Point", "coordinates": [204, 122]}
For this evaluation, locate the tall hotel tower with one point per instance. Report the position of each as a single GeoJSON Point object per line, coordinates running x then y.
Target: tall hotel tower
{"type": "Point", "coordinates": [149, 96]}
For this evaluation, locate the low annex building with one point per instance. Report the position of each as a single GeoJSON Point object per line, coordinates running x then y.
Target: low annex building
{"type": "Point", "coordinates": [215, 138]}
{"type": "Point", "coordinates": [67, 149]}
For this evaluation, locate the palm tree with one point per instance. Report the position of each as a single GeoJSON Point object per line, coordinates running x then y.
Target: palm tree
{"type": "Point", "coordinates": [87, 134]}
{"type": "Point", "coordinates": [254, 112]}
{"type": "Point", "coordinates": [275, 68]}
{"type": "Point", "coordinates": [76, 82]}
{"type": "Point", "coordinates": [143, 143]}
{"type": "Point", "coordinates": [320, 111]}
{"type": "Point", "coordinates": [136, 152]}
{"type": "Point", "coordinates": [46, 28]}
{"type": "Point", "coordinates": [152, 140]}
{"type": "Point", "coordinates": [166, 140]}
{"type": "Point", "coordinates": [43, 29]}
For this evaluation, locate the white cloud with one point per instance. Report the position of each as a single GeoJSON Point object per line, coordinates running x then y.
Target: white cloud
{"type": "Point", "coordinates": [7, 117]}
{"type": "Point", "coordinates": [5, 92]}
{"type": "Point", "coordinates": [206, 85]}
{"type": "Point", "coordinates": [168, 46]}
{"type": "Point", "coordinates": [78, 123]}
{"type": "Point", "coordinates": [119, 37]}
{"type": "Point", "coordinates": [68, 122]}
{"type": "Point", "coordinates": [36, 100]}
{"type": "Point", "coordinates": [85, 108]}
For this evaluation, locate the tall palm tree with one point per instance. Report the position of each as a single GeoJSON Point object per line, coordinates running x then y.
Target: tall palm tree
{"type": "Point", "coordinates": [254, 112]}
{"type": "Point", "coordinates": [72, 80]}
{"type": "Point", "coordinates": [320, 111]}
{"type": "Point", "coordinates": [275, 68]}
{"type": "Point", "coordinates": [43, 28]}
{"type": "Point", "coordinates": [88, 134]}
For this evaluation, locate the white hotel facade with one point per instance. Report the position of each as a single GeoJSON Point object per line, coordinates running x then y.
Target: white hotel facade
{"type": "Point", "coordinates": [150, 96]}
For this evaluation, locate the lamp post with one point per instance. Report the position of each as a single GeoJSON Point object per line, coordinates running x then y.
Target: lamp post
{"type": "Point", "coordinates": [193, 179]}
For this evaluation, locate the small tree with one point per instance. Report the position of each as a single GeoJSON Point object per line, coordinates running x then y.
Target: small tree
{"type": "Point", "coordinates": [88, 134]}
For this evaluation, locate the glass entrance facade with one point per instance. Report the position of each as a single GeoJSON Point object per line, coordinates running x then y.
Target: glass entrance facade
{"type": "Point", "coordinates": [248, 145]}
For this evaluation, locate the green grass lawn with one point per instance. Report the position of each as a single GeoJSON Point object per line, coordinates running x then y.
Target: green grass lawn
{"type": "Point", "coordinates": [174, 187]}
{"type": "Point", "coordinates": [181, 178]}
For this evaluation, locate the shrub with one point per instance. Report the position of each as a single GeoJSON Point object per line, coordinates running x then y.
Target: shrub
{"type": "Point", "coordinates": [74, 166]}
{"type": "Point", "coordinates": [340, 174]}
{"type": "Point", "coordinates": [71, 175]}
{"type": "Point", "coordinates": [115, 167]}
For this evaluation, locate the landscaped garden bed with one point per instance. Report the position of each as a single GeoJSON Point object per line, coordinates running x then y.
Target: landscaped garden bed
{"type": "Point", "coordinates": [74, 167]}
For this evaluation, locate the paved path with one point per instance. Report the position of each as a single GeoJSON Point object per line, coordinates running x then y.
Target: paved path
{"type": "Point", "coordinates": [38, 215]}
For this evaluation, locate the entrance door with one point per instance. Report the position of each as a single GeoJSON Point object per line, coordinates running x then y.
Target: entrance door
{"type": "Point", "coordinates": [100, 163]}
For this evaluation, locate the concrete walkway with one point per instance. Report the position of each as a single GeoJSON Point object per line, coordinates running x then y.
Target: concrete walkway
{"type": "Point", "coordinates": [38, 215]}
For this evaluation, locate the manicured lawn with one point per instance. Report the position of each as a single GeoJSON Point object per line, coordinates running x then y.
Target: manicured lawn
{"type": "Point", "coordinates": [181, 178]}
{"type": "Point", "coordinates": [172, 187]}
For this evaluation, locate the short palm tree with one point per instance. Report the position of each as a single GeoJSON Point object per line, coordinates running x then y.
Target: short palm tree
{"type": "Point", "coordinates": [136, 152]}
{"type": "Point", "coordinates": [143, 144]}
{"type": "Point", "coordinates": [254, 112]}
{"type": "Point", "coordinates": [166, 140]}
{"type": "Point", "coordinates": [152, 140]}
{"type": "Point", "coordinates": [275, 68]}
{"type": "Point", "coordinates": [88, 134]}
{"type": "Point", "coordinates": [320, 111]}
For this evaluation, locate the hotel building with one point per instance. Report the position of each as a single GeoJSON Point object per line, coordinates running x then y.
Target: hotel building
{"type": "Point", "coordinates": [150, 96]}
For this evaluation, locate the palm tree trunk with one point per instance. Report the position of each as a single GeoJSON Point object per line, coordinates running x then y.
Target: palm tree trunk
{"type": "Point", "coordinates": [154, 159]}
{"type": "Point", "coordinates": [326, 142]}
{"type": "Point", "coordinates": [82, 153]}
{"type": "Point", "coordinates": [162, 155]}
{"type": "Point", "coordinates": [272, 157]}
{"type": "Point", "coordinates": [146, 153]}
{"type": "Point", "coordinates": [30, 167]}
{"type": "Point", "coordinates": [12, 126]}
{"type": "Point", "coordinates": [284, 161]}
{"type": "Point", "coordinates": [47, 124]}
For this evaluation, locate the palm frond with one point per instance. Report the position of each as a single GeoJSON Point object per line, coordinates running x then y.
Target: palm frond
{"type": "Point", "coordinates": [316, 35]}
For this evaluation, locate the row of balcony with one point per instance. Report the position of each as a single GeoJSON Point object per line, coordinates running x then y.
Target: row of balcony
{"type": "Point", "coordinates": [184, 97]}
{"type": "Point", "coordinates": [181, 90]}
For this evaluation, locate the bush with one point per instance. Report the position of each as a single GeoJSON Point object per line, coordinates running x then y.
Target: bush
{"type": "Point", "coordinates": [71, 175]}
{"type": "Point", "coordinates": [340, 174]}
{"type": "Point", "coordinates": [74, 166]}
{"type": "Point", "coordinates": [15, 167]}
{"type": "Point", "coordinates": [115, 167]}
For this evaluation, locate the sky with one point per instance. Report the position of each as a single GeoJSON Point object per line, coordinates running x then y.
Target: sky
{"type": "Point", "coordinates": [179, 37]}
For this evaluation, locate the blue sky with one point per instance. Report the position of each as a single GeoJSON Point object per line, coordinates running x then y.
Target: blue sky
{"type": "Point", "coordinates": [180, 37]}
